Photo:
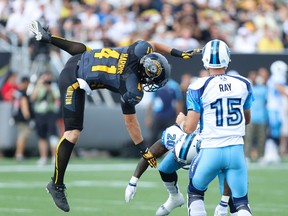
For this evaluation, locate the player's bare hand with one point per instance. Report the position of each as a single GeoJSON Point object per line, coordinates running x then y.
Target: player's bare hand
{"type": "Point", "coordinates": [180, 118]}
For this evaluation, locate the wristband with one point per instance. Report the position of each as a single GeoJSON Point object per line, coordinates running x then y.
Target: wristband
{"type": "Point", "coordinates": [176, 53]}
{"type": "Point", "coordinates": [141, 146]}
{"type": "Point", "coordinates": [134, 180]}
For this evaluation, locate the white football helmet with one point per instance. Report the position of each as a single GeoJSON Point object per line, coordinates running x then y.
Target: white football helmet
{"type": "Point", "coordinates": [279, 69]}
{"type": "Point", "coordinates": [186, 149]}
{"type": "Point", "coordinates": [216, 54]}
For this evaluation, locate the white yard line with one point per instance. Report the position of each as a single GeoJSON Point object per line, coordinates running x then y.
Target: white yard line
{"type": "Point", "coordinates": [113, 167]}
{"type": "Point", "coordinates": [71, 167]}
{"type": "Point", "coordinates": [114, 184]}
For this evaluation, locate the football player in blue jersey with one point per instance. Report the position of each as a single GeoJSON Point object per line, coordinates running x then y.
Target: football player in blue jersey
{"type": "Point", "coordinates": [128, 71]}
{"type": "Point", "coordinates": [171, 137]}
{"type": "Point", "coordinates": [181, 148]}
{"type": "Point", "coordinates": [221, 103]}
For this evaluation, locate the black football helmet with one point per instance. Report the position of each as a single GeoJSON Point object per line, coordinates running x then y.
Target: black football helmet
{"type": "Point", "coordinates": [155, 71]}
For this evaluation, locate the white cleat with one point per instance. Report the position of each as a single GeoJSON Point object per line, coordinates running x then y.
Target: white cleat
{"type": "Point", "coordinates": [220, 211]}
{"type": "Point", "coordinates": [172, 202]}
{"type": "Point", "coordinates": [41, 33]}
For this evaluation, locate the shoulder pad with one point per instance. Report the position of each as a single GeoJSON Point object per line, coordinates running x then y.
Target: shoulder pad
{"type": "Point", "coordinates": [198, 83]}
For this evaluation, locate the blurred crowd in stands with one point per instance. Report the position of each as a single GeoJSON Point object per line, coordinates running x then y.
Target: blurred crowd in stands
{"type": "Point", "coordinates": [247, 26]}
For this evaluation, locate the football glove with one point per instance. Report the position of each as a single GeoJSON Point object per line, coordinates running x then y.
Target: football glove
{"type": "Point", "coordinates": [185, 54]}
{"type": "Point", "coordinates": [130, 191]}
{"type": "Point", "coordinates": [41, 33]}
{"type": "Point", "coordinates": [147, 155]}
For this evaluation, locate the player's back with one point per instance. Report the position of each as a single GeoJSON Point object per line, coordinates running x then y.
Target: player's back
{"type": "Point", "coordinates": [101, 68]}
{"type": "Point", "coordinates": [221, 103]}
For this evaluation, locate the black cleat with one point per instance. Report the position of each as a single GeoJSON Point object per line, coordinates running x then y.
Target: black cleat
{"type": "Point", "coordinates": [41, 33]}
{"type": "Point", "coordinates": [58, 194]}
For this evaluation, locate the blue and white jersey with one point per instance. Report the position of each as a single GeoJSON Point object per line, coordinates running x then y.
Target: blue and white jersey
{"type": "Point", "coordinates": [171, 136]}
{"type": "Point", "coordinates": [274, 97]}
{"type": "Point", "coordinates": [221, 101]}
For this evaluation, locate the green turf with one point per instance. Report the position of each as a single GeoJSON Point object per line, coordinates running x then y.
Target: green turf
{"type": "Point", "coordinates": [96, 187]}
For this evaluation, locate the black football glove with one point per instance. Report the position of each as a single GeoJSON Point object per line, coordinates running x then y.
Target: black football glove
{"type": "Point", "coordinates": [41, 33]}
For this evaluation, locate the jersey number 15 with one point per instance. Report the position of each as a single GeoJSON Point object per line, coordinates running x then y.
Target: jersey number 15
{"type": "Point", "coordinates": [234, 114]}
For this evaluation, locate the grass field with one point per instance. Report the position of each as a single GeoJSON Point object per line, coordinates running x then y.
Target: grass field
{"type": "Point", "coordinates": [96, 187]}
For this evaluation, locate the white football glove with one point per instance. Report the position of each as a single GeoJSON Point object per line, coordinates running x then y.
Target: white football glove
{"type": "Point", "coordinates": [130, 191]}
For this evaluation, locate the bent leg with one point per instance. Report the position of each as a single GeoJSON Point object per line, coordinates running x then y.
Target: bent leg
{"type": "Point", "coordinates": [167, 169]}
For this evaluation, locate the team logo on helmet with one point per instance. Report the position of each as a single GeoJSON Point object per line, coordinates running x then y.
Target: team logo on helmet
{"type": "Point", "coordinates": [155, 71]}
{"type": "Point", "coordinates": [152, 67]}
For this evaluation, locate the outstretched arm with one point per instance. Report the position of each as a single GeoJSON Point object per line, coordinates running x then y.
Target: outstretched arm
{"type": "Point", "coordinates": [157, 149]}
{"type": "Point", "coordinates": [164, 49]}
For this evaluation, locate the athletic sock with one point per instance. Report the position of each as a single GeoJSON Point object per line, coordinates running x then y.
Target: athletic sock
{"type": "Point", "coordinates": [224, 201]}
{"type": "Point", "coordinates": [63, 153]}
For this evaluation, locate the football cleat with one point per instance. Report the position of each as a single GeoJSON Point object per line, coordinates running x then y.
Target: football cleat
{"type": "Point", "coordinates": [220, 211]}
{"type": "Point", "coordinates": [41, 33]}
{"type": "Point", "coordinates": [58, 194]}
{"type": "Point", "coordinates": [172, 202]}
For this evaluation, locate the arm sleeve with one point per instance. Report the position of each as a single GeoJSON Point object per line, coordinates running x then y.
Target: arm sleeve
{"type": "Point", "coordinates": [72, 47]}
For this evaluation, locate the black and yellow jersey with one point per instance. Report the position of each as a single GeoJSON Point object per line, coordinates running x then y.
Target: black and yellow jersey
{"type": "Point", "coordinates": [116, 69]}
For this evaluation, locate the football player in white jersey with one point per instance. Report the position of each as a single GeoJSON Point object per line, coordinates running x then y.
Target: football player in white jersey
{"type": "Point", "coordinates": [221, 103]}
{"type": "Point", "coordinates": [182, 149]}
{"type": "Point", "coordinates": [275, 103]}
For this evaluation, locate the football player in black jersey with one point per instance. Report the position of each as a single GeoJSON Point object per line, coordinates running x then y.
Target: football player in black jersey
{"type": "Point", "coordinates": [126, 70]}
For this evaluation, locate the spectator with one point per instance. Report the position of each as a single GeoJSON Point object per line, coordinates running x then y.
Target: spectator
{"type": "Point", "coordinates": [256, 131]}
{"type": "Point", "coordinates": [17, 23]}
{"type": "Point", "coordinates": [90, 21]}
{"type": "Point", "coordinates": [270, 42]}
{"type": "Point", "coordinates": [22, 115]}
{"type": "Point", "coordinates": [9, 87]}
{"type": "Point", "coordinates": [124, 27]}
{"type": "Point", "coordinates": [245, 41]}
{"type": "Point", "coordinates": [46, 101]}
{"type": "Point", "coordinates": [185, 40]}
{"type": "Point", "coordinates": [165, 105]}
